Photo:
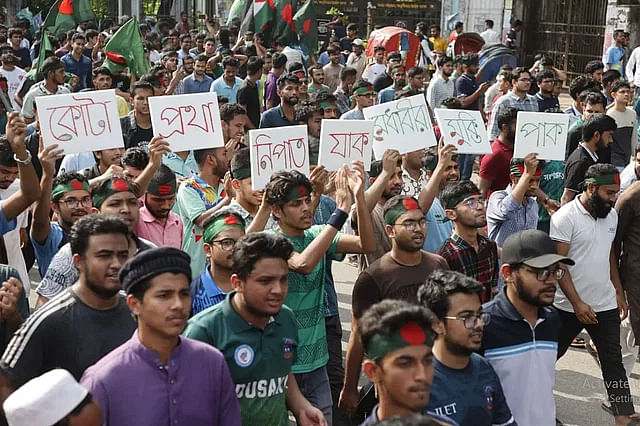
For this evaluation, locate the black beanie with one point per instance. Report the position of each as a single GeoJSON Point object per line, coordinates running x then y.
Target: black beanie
{"type": "Point", "coordinates": [149, 263]}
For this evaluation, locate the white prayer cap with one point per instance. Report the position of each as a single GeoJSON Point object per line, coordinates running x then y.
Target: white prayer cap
{"type": "Point", "coordinates": [44, 400]}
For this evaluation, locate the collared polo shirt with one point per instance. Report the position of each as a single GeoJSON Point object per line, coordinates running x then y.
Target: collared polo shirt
{"type": "Point", "coordinates": [193, 85]}
{"type": "Point", "coordinates": [38, 89]}
{"type": "Point", "coordinates": [205, 292]}
{"type": "Point", "coordinates": [274, 117]}
{"type": "Point", "coordinates": [505, 216]}
{"type": "Point", "coordinates": [81, 68]}
{"type": "Point", "coordinates": [171, 393]}
{"type": "Point", "coordinates": [167, 235]}
{"type": "Point", "coordinates": [183, 168]}
{"type": "Point", "coordinates": [259, 360]}
{"type": "Point", "coordinates": [521, 354]}
{"type": "Point", "coordinates": [221, 87]}
{"type": "Point", "coordinates": [387, 94]}
{"type": "Point", "coordinates": [589, 242]}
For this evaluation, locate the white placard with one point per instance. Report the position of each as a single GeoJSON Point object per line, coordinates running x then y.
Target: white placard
{"type": "Point", "coordinates": [541, 132]}
{"type": "Point", "coordinates": [80, 122]}
{"type": "Point", "coordinates": [404, 125]}
{"type": "Point", "coordinates": [187, 122]}
{"type": "Point", "coordinates": [275, 149]}
{"type": "Point", "coordinates": [464, 129]}
{"type": "Point", "coordinates": [344, 141]}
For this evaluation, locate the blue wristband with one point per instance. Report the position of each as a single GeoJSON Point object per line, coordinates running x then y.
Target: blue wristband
{"type": "Point", "coordinates": [337, 219]}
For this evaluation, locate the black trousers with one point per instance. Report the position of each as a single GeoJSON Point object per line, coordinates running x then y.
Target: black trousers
{"type": "Point", "coordinates": [335, 368]}
{"type": "Point", "coordinates": [606, 336]}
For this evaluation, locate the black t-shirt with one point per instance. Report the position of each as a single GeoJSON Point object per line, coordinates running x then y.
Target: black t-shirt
{"type": "Point", "coordinates": [576, 167]}
{"type": "Point", "coordinates": [382, 82]}
{"type": "Point", "coordinates": [248, 97]}
{"type": "Point", "coordinates": [134, 135]}
{"type": "Point", "coordinates": [24, 56]}
{"type": "Point", "coordinates": [122, 82]}
{"type": "Point", "coordinates": [66, 333]}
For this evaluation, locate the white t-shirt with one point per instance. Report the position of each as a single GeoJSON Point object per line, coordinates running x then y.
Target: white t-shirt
{"type": "Point", "coordinates": [12, 239]}
{"type": "Point", "coordinates": [490, 36]}
{"type": "Point", "coordinates": [374, 70]}
{"type": "Point", "coordinates": [589, 246]}
{"type": "Point", "coordinates": [14, 81]}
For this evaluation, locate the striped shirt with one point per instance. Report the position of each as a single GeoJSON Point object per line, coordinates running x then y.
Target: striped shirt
{"type": "Point", "coordinates": [510, 100]}
{"type": "Point", "coordinates": [66, 333]}
{"type": "Point", "coordinates": [505, 216]}
{"type": "Point", "coordinates": [439, 89]}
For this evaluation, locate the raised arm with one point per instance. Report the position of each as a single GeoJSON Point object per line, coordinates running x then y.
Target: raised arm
{"type": "Point", "coordinates": [431, 189]}
{"type": "Point", "coordinates": [157, 148]}
{"type": "Point", "coordinates": [41, 222]}
{"type": "Point", "coordinates": [390, 160]}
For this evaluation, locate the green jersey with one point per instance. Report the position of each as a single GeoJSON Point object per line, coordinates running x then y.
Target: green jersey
{"type": "Point", "coordinates": [552, 184]}
{"type": "Point", "coordinates": [259, 360]}
{"type": "Point", "coordinates": [306, 299]}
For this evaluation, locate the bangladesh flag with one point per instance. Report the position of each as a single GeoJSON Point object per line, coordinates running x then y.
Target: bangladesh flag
{"type": "Point", "coordinates": [285, 30]}
{"type": "Point", "coordinates": [237, 11]}
{"type": "Point", "coordinates": [263, 13]}
{"type": "Point", "coordinates": [45, 45]}
{"type": "Point", "coordinates": [67, 14]}
{"type": "Point", "coordinates": [307, 27]}
{"type": "Point", "coordinates": [125, 49]}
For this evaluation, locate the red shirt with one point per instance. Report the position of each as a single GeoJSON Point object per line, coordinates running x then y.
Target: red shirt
{"type": "Point", "coordinates": [496, 166]}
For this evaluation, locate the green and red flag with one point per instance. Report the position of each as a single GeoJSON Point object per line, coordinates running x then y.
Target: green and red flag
{"type": "Point", "coordinates": [45, 44]}
{"type": "Point", "coordinates": [237, 11]}
{"type": "Point", "coordinates": [67, 14]}
{"type": "Point", "coordinates": [307, 27]}
{"type": "Point", "coordinates": [263, 13]}
{"type": "Point", "coordinates": [125, 49]}
{"type": "Point", "coordinates": [284, 28]}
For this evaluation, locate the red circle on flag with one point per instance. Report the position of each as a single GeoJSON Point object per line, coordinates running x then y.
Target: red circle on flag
{"type": "Point", "coordinates": [164, 189]}
{"type": "Point", "coordinates": [302, 190]}
{"type": "Point", "coordinates": [231, 220]}
{"type": "Point", "coordinates": [306, 26]}
{"type": "Point", "coordinates": [120, 185]}
{"type": "Point", "coordinates": [76, 184]}
{"type": "Point", "coordinates": [287, 14]}
{"type": "Point", "coordinates": [410, 204]}
{"type": "Point", "coordinates": [616, 179]}
{"type": "Point", "coordinates": [413, 334]}
{"type": "Point", "coordinates": [66, 7]}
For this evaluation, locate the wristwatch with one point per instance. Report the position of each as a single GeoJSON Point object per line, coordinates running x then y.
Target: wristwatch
{"type": "Point", "coordinates": [24, 162]}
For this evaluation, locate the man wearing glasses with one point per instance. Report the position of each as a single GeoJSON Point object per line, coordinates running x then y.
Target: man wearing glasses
{"type": "Point", "coordinates": [214, 283]}
{"type": "Point", "coordinates": [465, 387]}
{"type": "Point", "coordinates": [467, 250]}
{"type": "Point", "coordinates": [364, 96]}
{"type": "Point", "coordinates": [521, 341]}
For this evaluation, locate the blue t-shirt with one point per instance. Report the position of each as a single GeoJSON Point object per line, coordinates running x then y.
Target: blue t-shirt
{"type": "Point", "coordinates": [615, 55]}
{"type": "Point", "coordinates": [439, 227]}
{"type": "Point", "coordinates": [470, 396]}
{"type": "Point", "coordinates": [466, 86]}
{"type": "Point", "coordinates": [44, 252]}
{"type": "Point", "coordinates": [205, 292]}
{"type": "Point", "coordinates": [6, 225]}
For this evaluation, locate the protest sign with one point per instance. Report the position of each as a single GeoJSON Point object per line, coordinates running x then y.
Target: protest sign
{"type": "Point", "coordinates": [543, 133]}
{"type": "Point", "coordinates": [344, 141]}
{"type": "Point", "coordinates": [275, 149]}
{"type": "Point", "coordinates": [80, 122]}
{"type": "Point", "coordinates": [464, 129]}
{"type": "Point", "coordinates": [187, 122]}
{"type": "Point", "coordinates": [404, 125]}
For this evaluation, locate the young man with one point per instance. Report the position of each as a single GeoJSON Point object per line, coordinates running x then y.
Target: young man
{"type": "Point", "coordinates": [136, 128]}
{"type": "Point", "coordinates": [344, 91]}
{"type": "Point", "coordinates": [377, 68]}
{"type": "Point", "coordinates": [399, 77]}
{"type": "Point", "coordinates": [50, 337]}
{"type": "Point", "coordinates": [364, 97]}
{"type": "Point", "coordinates": [615, 54]}
{"type": "Point", "coordinates": [327, 102]}
{"type": "Point", "coordinates": [458, 28]}
{"type": "Point", "coordinates": [415, 82]}
{"type": "Point", "coordinates": [198, 82]}
{"type": "Point", "coordinates": [197, 196]}
{"type": "Point", "coordinates": [397, 338]}
{"type": "Point", "coordinates": [467, 250]}
{"type": "Point", "coordinates": [214, 283]}
{"type": "Point", "coordinates": [346, 42]}
{"type": "Point", "coordinates": [515, 209]}
{"type": "Point", "coordinates": [229, 83]}
{"type": "Point", "coordinates": [608, 78]}
{"type": "Point", "coordinates": [103, 80]}
{"type": "Point", "coordinates": [52, 84]}
{"type": "Point", "coordinates": [157, 222]}
{"type": "Point", "coordinates": [316, 73]}
{"type": "Point", "coordinates": [292, 197]}
{"type": "Point", "coordinates": [490, 35]}
{"type": "Point", "coordinates": [522, 317]}
{"type": "Point", "coordinates": [591, 295]}
{"type": "Point", "coordinates": [442, 87]}
{"type": "Point", "coordinates": [248, 92]}
{"type": "Point", "coordinates": [258, 334]}
{"type": "Point", "coordinates": [512, 35]}
{"type": "Point", "coordinates": [593, 102]}
{"type": "Point", "coordinates": [597, 133]}
{"type": "Point", "coordinates": [271, 96]}
{"type": "Point", "coordinates": [495, 167]}
{"type": "Point", "coordinates": [106, 159]}
{"type": "Point", "coordinates": [594, 70]}
{"type": "Point", "coordinates": [545, 97]}
{"type": "Point", "coordinates": [185, 46]}
{"type": "Point", "coordinates": [577, 86]}
{"type": "Point", "coordinates": [465, 386]}
{"type": "Point", "coordinates": [283, 114]}
{"type": "Point", "coordinates": [517, 98]}
{"type": "Point", "coordinates": [383, 81]}
{"type": "Point", "coordinates": [333, 68]}
{"type": "Point", "coordinates": [76, 63]}
{"type": "Point", "coordinates": [414, 175]}
{"type": "Point", "coordinates": [233, 119]}
{"type": "Point", "coordinates": [357, 57]}
{"type": "Point", "coordinates": [156, 357]}
{"type": "Point", "coordinates": [14, 76]}
{"type": "Point", "coordinates": [22, 53]}
{"type": "Point", "coordinates": [396, 275]}
{"type": "Point", "coordinates": [625, 137]}
{"type": "Point", "coordinates": [311, 115]}
{"type": "Point", "coordinates": [439, 43]}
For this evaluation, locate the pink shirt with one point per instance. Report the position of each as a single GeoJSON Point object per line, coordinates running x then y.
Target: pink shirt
{"type": "Point", "coordinates": [168, 235]}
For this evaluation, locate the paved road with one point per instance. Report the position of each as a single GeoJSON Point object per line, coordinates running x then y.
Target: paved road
{"type": "Point", "coordinates": [578, 391]}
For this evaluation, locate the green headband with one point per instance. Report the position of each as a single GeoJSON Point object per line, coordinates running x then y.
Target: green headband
{"type": "Point", "coordinates": [242, 173]}
{"type": "Point", "coordinates": [453, 202]}
{"type": "Point", "coordinates": [363, 90]}
{"type": "Point", "coordinates": [162, 189]}
{"type": "Point", "coordinates": [221, 223]}
{"type": "Point", "coordinates": [410, 334]}
{"type": "Point", "coordinates": [612, 179]}
{"type": "Point", "coordinates": [109, 187]}
{"type": "Point", "coordinates": [518, 170]}
{"type": "Point", "coordinates": [407, 204]}
{"type": "Point", "coordinates": [327, 104]}
{"type": "Point", "coordinates": [73, 185]}
{"type": "Point", "coordinates": [297, 192]}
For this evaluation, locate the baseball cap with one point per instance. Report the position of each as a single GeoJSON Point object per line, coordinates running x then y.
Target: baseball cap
{"type": "Point", "coordinates": [357, 42]}
{"type": "Point", "coordinates": [533, 248]}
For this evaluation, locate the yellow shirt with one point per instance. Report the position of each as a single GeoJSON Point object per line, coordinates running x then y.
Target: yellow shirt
{"type": "Point", "coordinates": [439, 44]}
{"type": "Point", "coordinates": [123, 106]}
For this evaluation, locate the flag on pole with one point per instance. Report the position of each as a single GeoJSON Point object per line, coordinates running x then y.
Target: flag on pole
{"type": "Point", "coordinates": [66, 14]}
{"type": "Point", "coordinates": [45, 44]}
{"type": "Point", "coordinates": [237, 11]}
{"type": "Point", "coordinates": [263, 13]}
{"type": "Point", "coordinates": [285, 29]}
{"type": "Point", "coordinates": [125, 49]}
{"type": "Point", "coordinates": [307, 27]}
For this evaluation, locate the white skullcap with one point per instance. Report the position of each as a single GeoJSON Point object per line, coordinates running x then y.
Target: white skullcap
{"type": "Point", "coordinates": [44, 400]}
